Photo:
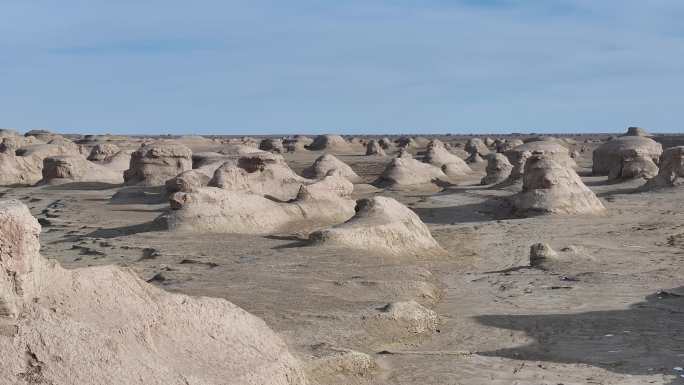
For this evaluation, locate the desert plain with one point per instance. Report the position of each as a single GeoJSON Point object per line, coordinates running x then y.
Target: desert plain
{"type": "Point", "coordinates": [399, 259]}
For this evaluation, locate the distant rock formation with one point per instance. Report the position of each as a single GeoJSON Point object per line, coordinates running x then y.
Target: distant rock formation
{"type": "Point", "coordinates": [329, 163]}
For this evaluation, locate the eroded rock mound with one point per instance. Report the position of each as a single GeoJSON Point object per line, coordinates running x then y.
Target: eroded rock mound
{"type": "Point", "coordinates": [329, 163]}
{"type": "Point", "coordinates": [476, 146]}
{"type": "Point", "coordinates": [405, 171]}
{"type": "Point", "coordinates": [386, 143]}
{"type": "Point", "coordinates": [374, 148]}
{"type": "Point", "coordinates": [110, 156]}
{"type": "Point", "coordinates": [498, 169]}
{"type": "Point", "coordinates": [297, 144]}
{"type": "Point", "coordinates": [154, 164]}
{"type": "Point", "coordinates": [438, 156]}
{"type": "Point", "coordinates": [106, 325]}
{"type": "Point", "coordinates": [636, 131]}
{"type": "Point", "coordinates": [103, 152]}
{"type": "Point", "coordinates": [671, 170]}
{"type": "Point", "coordinates": [187, 181]}
{"type": "Point", "coordinates": [25, 166]}
{"type": "Point", "coordinates": [384, 226]}
{"type": "Point", "coordinates": [330, 143]}
{"type": "Point", "coordinates": [518, 156]}
{"type": "Point", "coordinates": [261, 175]}
{"type": "Point", "coordinates": [75, 168]}
{"type": "Point", "coordinates": [507, 145]}
{"type": "Point", "coordinates": [627, 157]}
{"type": "Point", "coordinates": [549, 187]}
{"type": "Point", "coordinates": [272, 145]}
{"type": "Point", "coordinates": [216, 210]}
{"type": "Point", "coordinates": [475, 158]}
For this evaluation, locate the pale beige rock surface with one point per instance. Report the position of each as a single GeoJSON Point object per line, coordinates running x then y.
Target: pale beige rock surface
{"type": "Point", "coordinates": [105, 325]}
{"type": "Point", "coordinates": [381, 225]}
{"type": "Point", "coordinates": [327, 163]}
{"type": "Point", "coordinates": [549, 187]}
{"type": "Point", "coordinates": [154, 164]}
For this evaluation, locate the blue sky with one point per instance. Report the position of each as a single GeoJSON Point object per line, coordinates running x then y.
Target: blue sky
{"type": "Point", "coordinates": [357, 66]}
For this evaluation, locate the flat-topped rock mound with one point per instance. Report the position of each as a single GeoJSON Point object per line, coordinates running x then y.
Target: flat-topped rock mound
{"type": "Point", "coordinates": [329, 163]}
{"type": "Point", "coordinates": [105, 325]}
{"type": "Point", "coordinates": [550, 187]}
{"type": "Point", "coordinates": [627, 157]}
{"type": "Point", "coordinates": [330, 143]}
{"type": "Point", "coordinates": [154, 164]}
{"type": "Point", "coordinates": [671, 170]}
{"type": "Point", "coordinates": [75, 168]}
{"type": "Point", "coordinates": [383, 226]}
{"type": "Point", "coordinates": [216, 210]}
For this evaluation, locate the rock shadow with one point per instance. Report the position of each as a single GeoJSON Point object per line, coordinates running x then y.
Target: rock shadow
{"type": "Point", "coordinates": [115, 232]}
{"type": "Point", "coordinates": [646, 339]}
{"type": "Point", "coordinates": [487, 210]}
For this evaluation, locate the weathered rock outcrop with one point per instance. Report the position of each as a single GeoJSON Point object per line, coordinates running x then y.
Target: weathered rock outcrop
{"type": "Point", "coordinates": [105, 325]}
{"type": "Point", "coordinates": [498, 169]}
{"type": "Point", "coordinates": [374, 148]}
{"type": "Point", "coordinates": [671, 171]}
{"type": "Point", "coordinates": [627, 157]}
{"type": "Point", "coordinates": [25, 168]}
{"type": "Point", "coordinates": [384, 226]}
{"type": "Point", "coordinates": [518, 156]}
{"type": "Point", "coordinates": [476, 146]}
{"type": "Point", "coordinates": [272, 145]}
{"type": "Point", "coordinates": [154, 164]}
{"type": "Point", "coordinates": [550, 187]}
{"type": "Point", "coordinates": [507, 145]}
{"type": "Point", "coordinates": [330, 143]}
{"type": "Point", "coordinates": [187, 181]}
{"type": "Point", "coordinates": [297, 144]}
{"type": "Point", "coordinates": [261, 175]}
{"type": "Point", "coordinates": [103, 152]}
{"type": "Point", "coordinates": [438, 156]}
{"type": "Point", "coordinates": [216, 210]}
{"type": "Point", "coordinates": [328, 163]}
{"type": "Point", "coordinates": [636, 131]}
{"type": "Point", "coordinates": [75, 168]}
{"type": "Point", "coordinates": [408, 172]}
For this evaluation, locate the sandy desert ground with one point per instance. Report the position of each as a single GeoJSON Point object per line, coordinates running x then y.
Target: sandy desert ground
{"type": "Point", "coordinates": [606, 309]}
